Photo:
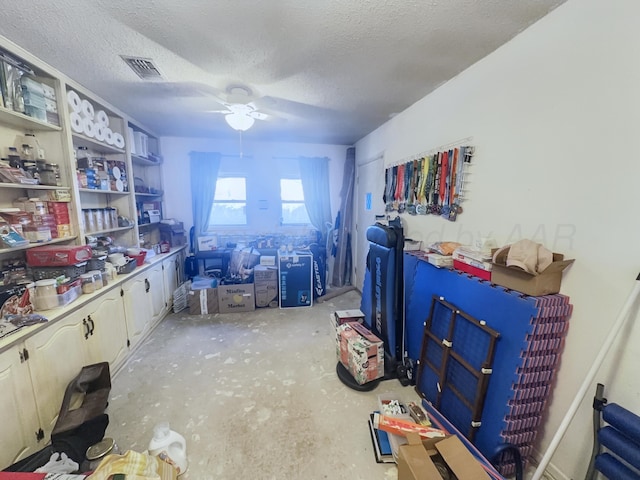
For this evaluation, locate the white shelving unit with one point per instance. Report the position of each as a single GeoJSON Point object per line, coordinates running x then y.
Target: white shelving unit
{"type": "Point", "coordinates": [147, 180]}
{"type": "Point", "coordinates": [14, 126]}
{"type": "Point", "coordinates": [62, 143]}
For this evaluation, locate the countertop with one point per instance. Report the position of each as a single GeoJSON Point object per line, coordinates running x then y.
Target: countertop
{"type": "Point", "coordinates": [57, 314]}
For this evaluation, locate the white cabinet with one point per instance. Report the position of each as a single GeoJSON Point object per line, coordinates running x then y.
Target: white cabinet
{"type": "Point", "coordinates": [35, 373]}
{"type": "Point", "coordinates": [20, 426]}
{"type": "Point", "coordinates": [94, 333]}
{"type": "Point", "coordinates": [137, 308]}
{"type": "Point", "coordinates": [171, 279]}
{"type": "Point", "coordinates": [144, 303]}
{"type": "Point", "coordinates": [155, 279]}
{"type": "Point", "coordinates": [107, 329]}
{"type": "Point", "coordinates": [56, 356]}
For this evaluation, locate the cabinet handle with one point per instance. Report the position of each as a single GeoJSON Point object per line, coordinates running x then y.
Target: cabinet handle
{"type": "Point", "coordinates": [93, 325]}
{"type": "Point", "coordinates": [86, 326]}
{"type": "Point", "coordinates": [147, 285]}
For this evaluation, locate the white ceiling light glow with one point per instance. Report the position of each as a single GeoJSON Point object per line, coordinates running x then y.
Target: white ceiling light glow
{"type": "Point", "coordinates": [239, 121]}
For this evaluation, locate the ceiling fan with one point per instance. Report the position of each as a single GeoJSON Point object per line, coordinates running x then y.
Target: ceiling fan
{"type": "Point", "coordinates": [240, 113]}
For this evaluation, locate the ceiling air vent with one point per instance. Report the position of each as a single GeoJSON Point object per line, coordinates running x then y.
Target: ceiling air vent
{"type": "Point", "coordinates": [144, 67]}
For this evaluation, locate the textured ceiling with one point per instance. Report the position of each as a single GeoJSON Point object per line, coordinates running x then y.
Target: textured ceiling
{"type": "Point", "coordinates": [330, 71]}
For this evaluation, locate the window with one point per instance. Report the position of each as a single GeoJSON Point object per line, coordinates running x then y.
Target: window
{"type": "Point", "coordinates": [229, 202]}
{"type": "Point", "coordinates": [294, 212]}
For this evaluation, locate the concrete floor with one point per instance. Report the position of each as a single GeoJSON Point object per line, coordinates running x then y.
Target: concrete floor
{"type": "Point", "coordinates": [254, 394]}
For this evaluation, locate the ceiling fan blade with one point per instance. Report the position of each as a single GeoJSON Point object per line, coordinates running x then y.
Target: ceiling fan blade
{"type": "Point", "coordinates": [218, 111]}
{"type": "Point", "coordinates": [259, 115]}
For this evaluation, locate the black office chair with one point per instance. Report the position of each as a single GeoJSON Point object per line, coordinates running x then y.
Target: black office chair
{"type": "Point", "coordinates": [616, 446]}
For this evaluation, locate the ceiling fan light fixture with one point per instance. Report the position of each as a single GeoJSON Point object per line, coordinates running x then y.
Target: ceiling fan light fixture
{"type": "Point", "coordinates": [239, 121]}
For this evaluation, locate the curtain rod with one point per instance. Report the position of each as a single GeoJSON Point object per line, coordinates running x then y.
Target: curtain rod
{"type": "Point", "coordinates": [239, 157]}
{"type": "Point", "coordinates": [297, 158]}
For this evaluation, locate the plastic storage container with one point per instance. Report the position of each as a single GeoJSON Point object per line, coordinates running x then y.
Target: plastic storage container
{"type": "Point", "coordinates": [88, 283]}
{"type": "Point", "coordinates": [55, 255]}
{"type": "Point", "coordinates": [166, 442]}
{"type": "Point", "coordinates": [97, 278]}
{"type": "Point", "coordinates": [45, 295]}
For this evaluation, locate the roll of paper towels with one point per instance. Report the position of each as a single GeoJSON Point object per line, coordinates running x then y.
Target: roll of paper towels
{"type": "Point", "coordinates": [88, 127]}
{"type": "Point", "coordinates": [77, 125]}
{"type": "Point", "coordinates": [86, 109]}
{"type": "Point", "coordinates": [118, 140]}
{"type": "Point", "coordinates": [99, 132]}
{"type": "Point", "coordinates": [73, 99]}
{"type": "Point", "coordinates": [108, 136]}
{"type": "Point", "coordinates": [102, 118]}
{"type": "Point", "coordinates": [132, 143]}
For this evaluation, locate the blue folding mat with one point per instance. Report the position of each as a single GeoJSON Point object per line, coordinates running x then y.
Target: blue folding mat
{"type": "Point", "coordinates": [531, 337]}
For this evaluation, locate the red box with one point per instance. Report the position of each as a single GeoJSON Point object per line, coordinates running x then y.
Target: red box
{"type": "Point", "coordinates": [58, 207]}
{"type": "Point", "coordinates": [58, 255]}
{"type": "Point", "coordinates": [478, 272]}
{"type": "Point", "coordinates": [361, 352]}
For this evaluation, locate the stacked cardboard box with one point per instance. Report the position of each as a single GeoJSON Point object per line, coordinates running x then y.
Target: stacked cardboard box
{"type": "Point", "coordinates": [360, 351]}
{"type": "Point", "coordinates": [236, 298]}
{"type": "Point", "coordinates": [416, 459]}
{"type": "Point", "coordinates": [266, 285]}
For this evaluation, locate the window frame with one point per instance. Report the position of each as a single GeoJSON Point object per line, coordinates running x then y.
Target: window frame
{"type": "Point", "coordinates": [213, 226]}
{"type": "Point", "coordinates": [292, 202]}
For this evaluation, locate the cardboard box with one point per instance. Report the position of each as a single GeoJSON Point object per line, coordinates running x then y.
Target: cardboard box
{"type": "Point", "coordinates": [265, 280]}
{"type": "Point", "coordinates": [545, 283]}
{"type": "Point", "coordinates": [295, 274]}
{"type": "Point", "coordinates": [361, 352]}
{"type": "Point", "coordinates": [236, 298]}
{"type": "Point", "coordinates": [269, 260]}
{"type": "Point", "coordinates": [416, 459]}
{"type": "Point", "coordinates": [174, 234]}
{"type": "Point", "coordinates": [203, 301]}
{"type": "Point", "coordinates": [344, 316]}
{"type": "Point", "coordinates": [207, 243]}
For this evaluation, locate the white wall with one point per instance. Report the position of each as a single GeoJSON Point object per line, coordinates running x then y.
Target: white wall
{"type": "Point", "coordinates": [256, 156]}
{"type": "Point", "coordinates": [554, 115]}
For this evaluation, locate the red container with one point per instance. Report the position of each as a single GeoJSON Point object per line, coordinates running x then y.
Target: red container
{"type": "Point", "coordinates": [58, 255]}
{"type": "Point", "coordinates": [58, 207]}
{"type": "Point", "coordinates": [478, 272]}
{"type": "Point", "coordinates": [139, 258]}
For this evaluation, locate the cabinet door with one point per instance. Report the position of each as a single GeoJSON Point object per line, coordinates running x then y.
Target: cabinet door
{"type": "Point", "coordinates": [56, 356]}
{"type": "Point", "coordinates": [170, 266]}
{"type": "Point", "coordinates": [155, 279]}
{"type": "Point", "coordinates": [137, 308]}
{"type": "Point", "coordinates": [108, 340]}
{"type": "Point", "coordinates": [20, 419]}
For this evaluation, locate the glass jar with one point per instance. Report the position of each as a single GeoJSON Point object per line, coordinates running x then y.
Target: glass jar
{"type": "Point", "coordinates": [97, 279]}
{"type": "Point", "coordinates": [106, 216]}
{"type": "Point", "coordinates": [114, 217]}
{"type": "Point", "coordinates": [88, 283]}
{"type": "Point", "coordinates": [99, 218]}
{"type": "Point", "coordinates": [89, 220]}
{"type": "Point", "coordinates": [46, 294]}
